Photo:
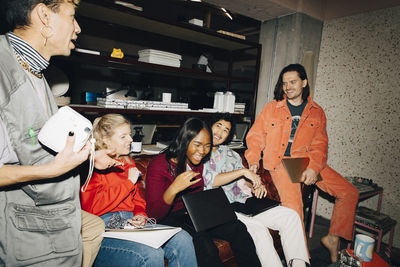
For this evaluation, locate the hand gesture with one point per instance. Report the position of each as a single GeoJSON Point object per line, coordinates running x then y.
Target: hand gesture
{"type": "Point", "coordinates": [309, 176]}
{"type": "Point", "coordinates": [253, 177]}
{"type": "Point", "coordinates": [67, 159]}
{"type": "Point", "coordinates": [103, 159]}
{"type": "Point", "coordinates": [253, 168]}
{"type": "Point", "coordinates": [184, 180]}
{"type": "Point", "coordinates": [138, 220]}
{"type": "Point", "coordinates": [133, 174]}
{"type": "Point", "coordinates": [260, 191]}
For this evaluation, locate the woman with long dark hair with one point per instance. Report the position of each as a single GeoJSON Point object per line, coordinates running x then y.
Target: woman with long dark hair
{"type": "Point", "coordinates": [179, 171]}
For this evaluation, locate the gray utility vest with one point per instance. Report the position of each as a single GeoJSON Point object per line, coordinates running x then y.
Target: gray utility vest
{"type": "Point", "coordinates": [40, 222]}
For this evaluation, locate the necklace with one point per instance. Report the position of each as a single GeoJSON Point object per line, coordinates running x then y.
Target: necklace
{"type": "Point", "coordinates": [26, 67]}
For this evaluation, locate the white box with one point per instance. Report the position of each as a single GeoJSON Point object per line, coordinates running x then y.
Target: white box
{"type": "Point", "coordinates": [197, 22]}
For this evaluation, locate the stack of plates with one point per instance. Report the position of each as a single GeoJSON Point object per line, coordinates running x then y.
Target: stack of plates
{"type": "Point", "coordinates": [160, 57]}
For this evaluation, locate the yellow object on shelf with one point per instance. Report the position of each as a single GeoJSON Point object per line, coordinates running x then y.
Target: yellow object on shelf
{"type": "Point", "coordinates": [117, 53]}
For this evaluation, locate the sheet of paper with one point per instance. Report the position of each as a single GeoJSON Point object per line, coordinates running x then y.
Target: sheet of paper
{"type": "Point", "coordinates": [154, 237]}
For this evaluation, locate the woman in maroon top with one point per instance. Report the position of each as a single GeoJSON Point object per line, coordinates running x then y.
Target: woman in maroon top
{"type": "Point", "coordinates": [179, 171]}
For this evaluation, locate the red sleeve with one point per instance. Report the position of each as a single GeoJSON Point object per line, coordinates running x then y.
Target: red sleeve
{"type": "Point", "coordinates": [140, 204]}
{"type": "Point", "coordinates": [157, 183]}
{"type": "Point", "coordinates": [103, 194]}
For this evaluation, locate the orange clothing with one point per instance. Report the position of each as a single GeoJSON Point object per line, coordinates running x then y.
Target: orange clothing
{"type": "Point", "coordinates": [110, 191]}
{"type": "Point", "coordinates": [270, 133]}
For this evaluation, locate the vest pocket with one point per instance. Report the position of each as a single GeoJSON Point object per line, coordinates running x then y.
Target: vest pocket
{"type": "Point", "coordinates": [37, 232]}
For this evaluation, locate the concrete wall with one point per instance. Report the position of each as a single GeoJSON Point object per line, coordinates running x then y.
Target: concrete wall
{"type": "Point", "coordinates": [358, 85]}
{"type": "Point", "coordinates": [291, 39]}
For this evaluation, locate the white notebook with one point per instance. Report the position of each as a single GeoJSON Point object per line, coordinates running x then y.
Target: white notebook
{"type": "Point", "coordinates": [151, 236]}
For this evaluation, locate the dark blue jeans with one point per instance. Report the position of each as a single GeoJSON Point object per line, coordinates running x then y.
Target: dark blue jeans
{"type": "Point", "coordinates": [178, 250]}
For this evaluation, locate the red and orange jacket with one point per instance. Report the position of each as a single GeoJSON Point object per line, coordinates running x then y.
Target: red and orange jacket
{"type": "Point", "coordinates": [270, 133]}
{"type": "Point", "coordinates": [113, 191]}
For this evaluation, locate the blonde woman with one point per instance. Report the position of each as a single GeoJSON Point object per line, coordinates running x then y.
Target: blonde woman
{"type": "Point", "coordinates": [115, 192]}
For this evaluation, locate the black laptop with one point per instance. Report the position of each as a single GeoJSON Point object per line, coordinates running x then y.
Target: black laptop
{"type": "Point", "coordinates": [209, 208]}
{"type": "Point", "coordinates": [254, 206]}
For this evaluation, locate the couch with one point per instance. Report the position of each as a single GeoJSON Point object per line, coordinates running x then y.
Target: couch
{"type": "Point", "coordinates": [225, 251]}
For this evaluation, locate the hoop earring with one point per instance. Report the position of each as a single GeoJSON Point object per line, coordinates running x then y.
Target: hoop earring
{"type": "Point", "coordinates": [46, 32]}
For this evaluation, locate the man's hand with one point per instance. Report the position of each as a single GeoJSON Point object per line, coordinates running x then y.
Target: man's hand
{"type": "Point", "coordinates": [67, 159]}
{"type": "Point", "coordinates": [103, 159]}
{"type": "Point", "coordinates": [309, 176]}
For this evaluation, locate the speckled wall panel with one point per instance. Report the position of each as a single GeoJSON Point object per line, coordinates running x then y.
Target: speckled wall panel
{"type": "Point", "coordinates": [358, 85]}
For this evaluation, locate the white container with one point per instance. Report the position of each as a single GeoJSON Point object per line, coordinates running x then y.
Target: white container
{"type": "Point", "coordinates": [166, 97]}
{"type": "Point", "coordinates": [364, 247]}
{"type": "Point", "coordinates": [229, 102]}
{"type": "Point", "coordinates": [219, 101]}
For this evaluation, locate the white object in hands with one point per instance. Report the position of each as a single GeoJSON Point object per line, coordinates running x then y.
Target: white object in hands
{"type": "Point", "coordinates": [133, 174]}
{"type": "Point", "coordinates": [55, 131]}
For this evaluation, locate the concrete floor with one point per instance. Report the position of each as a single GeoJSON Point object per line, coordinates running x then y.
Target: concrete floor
{"type": "Point", "coordinates": [320, 256]}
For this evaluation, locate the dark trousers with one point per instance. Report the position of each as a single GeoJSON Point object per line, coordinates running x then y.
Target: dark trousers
{"type": "Point", "coordinates": [207, 254]}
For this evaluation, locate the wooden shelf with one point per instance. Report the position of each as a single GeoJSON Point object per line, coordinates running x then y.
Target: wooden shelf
{"type": "Point", "coordinates": [106, 25]}
{"type": "Point", "coordinates": [119, 15]}
{"type": "Point", "coordinates": [98, 109]}
{"type": "Point", "coordinates": [137, 66]}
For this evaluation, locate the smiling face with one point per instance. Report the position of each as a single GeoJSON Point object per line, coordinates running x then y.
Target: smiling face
{"type": "Point", "coordinates": [199, 147]}
{"type": "Point", "coordinates": [293, 87]}
{"type": "Point", "coordinates": [64, 28]}
{"type": "Point", "coordinates": [220, 132]}
{"type": "Point", "coordinates": [120, 140]}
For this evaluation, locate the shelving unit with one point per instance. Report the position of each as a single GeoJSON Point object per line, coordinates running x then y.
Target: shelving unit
{"type": "Point", "coordinates": [106, 25]}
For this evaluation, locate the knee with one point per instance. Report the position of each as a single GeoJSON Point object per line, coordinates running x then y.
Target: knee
{"type": "Point", "coordinates": [182, 240]}
{"type": "Point", "coordinates": [151, 258]}
{"type": "Point", "coordinates": [351, 194]}
{"type": "Point", "coordinates": [99, 226]}
{"type": "Point", "coordinates": [354, 193]}
{"type": "Point", "coordinates": [292, 215]}
{"type": "Point", "coordinates": [156, 258]}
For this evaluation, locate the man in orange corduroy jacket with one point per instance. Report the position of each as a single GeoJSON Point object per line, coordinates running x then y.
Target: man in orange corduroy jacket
{"type": "Point", "coordinates": [293, 125]}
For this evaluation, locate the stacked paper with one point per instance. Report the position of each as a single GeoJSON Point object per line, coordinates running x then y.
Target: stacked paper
{"type": "Point", "coordinates": [240, 108]}
{"type": "Point", "coordinates": [142, 104]}
{"type": "Point", "coordinates": [160, 57]}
